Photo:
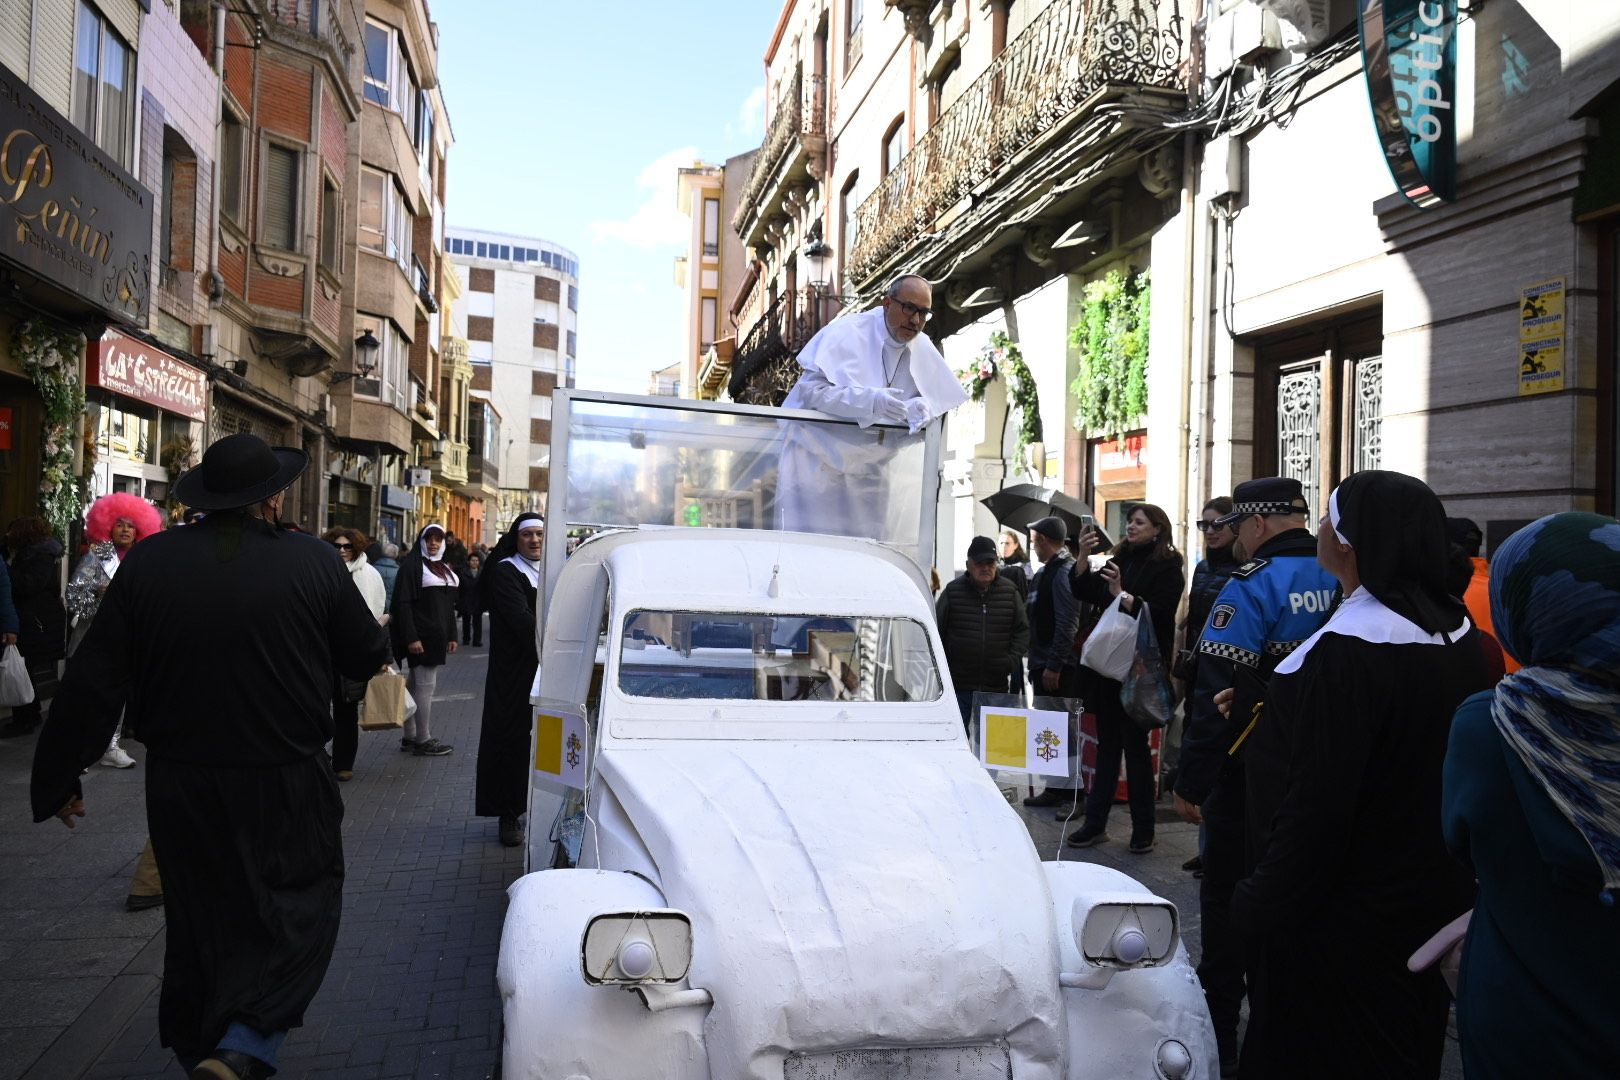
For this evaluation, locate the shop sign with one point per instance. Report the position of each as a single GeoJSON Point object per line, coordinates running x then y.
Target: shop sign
{"type": "Point", "coordinates": [5, 428]}
{"type": "Point", "coordinates": [1541, 337]}
{"type": "Point", "coordinates": [421, 476]}
{"type": "Point", "coordinates": [77, 220]}
{"type": "Point", "coordinates": [398, 498]}
{"type": "Point", "coordinates": [1120, 460]}
{"type": "Point", "coordinates": [131, 367]}
{"type": "Point", "coordinates": [1409, 53]}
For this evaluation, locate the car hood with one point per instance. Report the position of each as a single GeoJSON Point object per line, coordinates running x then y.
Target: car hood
{"type": "Point", "coordinates": [849, 894]}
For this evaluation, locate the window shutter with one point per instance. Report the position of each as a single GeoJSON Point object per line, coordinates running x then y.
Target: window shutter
{"type": "Point", "coordinates": [281, 198]}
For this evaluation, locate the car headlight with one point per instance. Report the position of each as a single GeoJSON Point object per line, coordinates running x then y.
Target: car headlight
{"type": "Point", "coordinates": [1123, 934]}
{"type": "Point", "coordinates": [630, 948]}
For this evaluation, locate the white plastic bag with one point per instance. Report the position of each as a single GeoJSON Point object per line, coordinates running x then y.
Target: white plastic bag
{"type": "Point", "coordinates": [16, 688]}
{"type": "Point", "coordinates": [1112, 644]}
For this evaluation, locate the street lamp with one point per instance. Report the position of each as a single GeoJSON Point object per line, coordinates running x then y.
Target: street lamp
{"type": "Point", "coordinates": [816, 253]}
{"type": "Point", "coordinates": [365, 358]}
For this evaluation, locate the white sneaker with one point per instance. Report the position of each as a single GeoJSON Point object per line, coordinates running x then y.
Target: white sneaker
{"type": "Point", "coordinates": [115, 758]}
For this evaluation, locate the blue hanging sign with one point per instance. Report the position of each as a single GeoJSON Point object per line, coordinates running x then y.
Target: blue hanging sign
{"type": "Point", "coordinates": [1409, 52]}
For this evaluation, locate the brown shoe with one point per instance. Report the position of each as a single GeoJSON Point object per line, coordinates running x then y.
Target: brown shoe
{"type": "Point", "coordinates": [132, 902]}
{"type": "Point", "coordinates": [231, 1065]}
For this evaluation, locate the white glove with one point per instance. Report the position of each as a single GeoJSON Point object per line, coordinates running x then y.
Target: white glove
{"type": "Point", "coordinates": [916, 414]}
{"type": "Point", "coordinates": [887, 404]}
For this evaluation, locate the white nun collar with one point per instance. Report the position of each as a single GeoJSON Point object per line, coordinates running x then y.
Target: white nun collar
{"type": "Point", "coordinates": [530, 570]}
{"type": "Point", "coordinates": [1362, 615]}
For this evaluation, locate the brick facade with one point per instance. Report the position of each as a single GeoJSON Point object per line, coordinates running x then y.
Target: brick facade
{"type": "Point", "coordinates": [481, 280]}
{"type": "Point", "coordinates": [545, 334]}
{"type": "Point", "coordinates": [480, 328]}
{"type": "Point", "coordinates": [546, 288]}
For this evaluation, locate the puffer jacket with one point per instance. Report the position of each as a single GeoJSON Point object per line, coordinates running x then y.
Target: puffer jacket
{"type": "Point", "coordinates": [986, 634]}
{"type": "Point", "coordinates": [1209, 578]}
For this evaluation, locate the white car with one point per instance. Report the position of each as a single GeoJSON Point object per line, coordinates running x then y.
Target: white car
{"type": "Point", "coordinates": [786, 863]}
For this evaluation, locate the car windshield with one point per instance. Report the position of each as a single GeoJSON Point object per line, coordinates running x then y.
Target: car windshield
{"type": "Point", "coordinates": [756, 657]}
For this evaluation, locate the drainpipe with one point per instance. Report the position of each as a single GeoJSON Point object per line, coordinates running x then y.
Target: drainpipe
{"type": "Point", "coordinates": [216, 280]}
{"type": "Point", "coordinates": [1196, 274]}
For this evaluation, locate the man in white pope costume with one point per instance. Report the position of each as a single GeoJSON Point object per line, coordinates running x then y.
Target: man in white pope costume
{"type": "Point", "coordinates": [874, 367]}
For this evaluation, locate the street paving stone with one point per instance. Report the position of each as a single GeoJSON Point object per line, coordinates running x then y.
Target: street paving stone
{"type": "Point", "coordinates": [411, 989]}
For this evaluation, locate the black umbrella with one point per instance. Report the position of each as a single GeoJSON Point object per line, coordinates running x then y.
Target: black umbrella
{"type": "Point", "coordinates": [1020, 506]}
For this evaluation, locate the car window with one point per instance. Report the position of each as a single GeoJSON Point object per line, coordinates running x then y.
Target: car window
{"type": "Point", "coordinates": [688, 655]}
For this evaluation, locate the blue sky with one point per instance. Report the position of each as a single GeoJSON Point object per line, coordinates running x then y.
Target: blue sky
{"type": "Point", "coordinates": [570, 121]}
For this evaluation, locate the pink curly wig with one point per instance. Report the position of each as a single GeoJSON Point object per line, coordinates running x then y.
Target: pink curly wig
{"type": "Point", "coordinates": [107, 510]}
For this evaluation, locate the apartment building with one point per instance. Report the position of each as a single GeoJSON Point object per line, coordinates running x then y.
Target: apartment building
{"type": "Point", "coordinates": [710, 273]}
{"type": "Point", "coordinates": [521, 308]}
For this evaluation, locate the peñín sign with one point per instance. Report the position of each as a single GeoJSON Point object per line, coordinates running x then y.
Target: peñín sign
{"type": "Point", "coordinates": [72, 216]}
{"type": "Point", "coordinates": [1409, 52]}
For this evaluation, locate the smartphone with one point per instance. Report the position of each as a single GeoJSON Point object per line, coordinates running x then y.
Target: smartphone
{"type": "Point", "coordinates": [1104, 544]}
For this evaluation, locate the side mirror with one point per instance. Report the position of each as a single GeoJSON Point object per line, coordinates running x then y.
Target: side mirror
{"type": "Point", "coordinates": [633, 948]}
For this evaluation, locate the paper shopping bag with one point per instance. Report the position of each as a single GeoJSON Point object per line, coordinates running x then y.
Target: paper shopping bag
{"type": "Point", "coordinates": [384, 706]}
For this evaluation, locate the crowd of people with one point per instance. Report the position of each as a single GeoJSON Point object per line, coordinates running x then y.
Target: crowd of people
{"type": "Point", "coordinates": [1365, 756]}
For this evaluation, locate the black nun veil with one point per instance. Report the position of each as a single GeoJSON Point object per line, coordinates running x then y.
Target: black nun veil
{"type": "Point", "coordinates": [504, 549]}
{"type": "Point", "coordinates": [508, 590]}
{"type": "Point", "coordinates": [1397, 527]}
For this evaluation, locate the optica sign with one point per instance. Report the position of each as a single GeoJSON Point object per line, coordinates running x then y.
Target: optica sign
{"type": "Point", "coordinates": [1409, 51]}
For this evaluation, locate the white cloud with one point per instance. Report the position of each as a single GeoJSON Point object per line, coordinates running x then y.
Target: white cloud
{"type": "Point", "coordinates": [657, 222]}
{"type": "Point", "coordinates": [750, 122]}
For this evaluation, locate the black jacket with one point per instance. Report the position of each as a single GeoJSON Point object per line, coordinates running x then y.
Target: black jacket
{"type": "Point", "coordinates": [422, 613]}
{"type": "Point", "coordinates": [1209, 578]}
{"type": "Point", "coordinates": [1158, 582]}
{"type": "Point", "coordinates": [37, 594]}
{"type": "Point", "coordinates": [223, 641]}
{"type": "Point", "coordinates": [985, 632]}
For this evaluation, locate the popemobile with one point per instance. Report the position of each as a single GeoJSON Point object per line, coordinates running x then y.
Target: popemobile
{"type": "Point", "coordinates": [760, 844]}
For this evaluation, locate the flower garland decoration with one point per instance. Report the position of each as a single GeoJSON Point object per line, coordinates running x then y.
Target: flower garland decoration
{"type": "Point", "coordinates": [50, 356]}
{"type": "Point", "coordinates": [1002, 359]}
{"type": "Point", "coordinates": [1112, 338]}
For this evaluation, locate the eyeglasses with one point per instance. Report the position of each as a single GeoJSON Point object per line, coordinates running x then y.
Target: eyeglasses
{"type": "Point", "coordinates": [912, 310]}
{"type": "Point", "coordinates": [343, 547]}
{"type": "Point", "coordinates": [1209, 526]}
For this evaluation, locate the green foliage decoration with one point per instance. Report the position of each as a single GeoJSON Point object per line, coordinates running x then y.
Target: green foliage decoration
{"type": "Point", "coordinates": [1112, 336]}
{"type": "Point", "coordinates": [50, 355]}
{"type": "Point", "coordinates": [1002, 359]}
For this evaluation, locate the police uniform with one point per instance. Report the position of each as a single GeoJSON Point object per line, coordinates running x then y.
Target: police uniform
{"type": "Point", "coordinates": [1271, 604]}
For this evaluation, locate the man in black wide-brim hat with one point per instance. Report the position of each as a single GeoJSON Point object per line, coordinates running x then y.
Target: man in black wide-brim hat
{"type": "Point", "coordinates": [223, 641]}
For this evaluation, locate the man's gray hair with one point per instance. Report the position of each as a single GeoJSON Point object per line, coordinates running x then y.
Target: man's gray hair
{"type": "Point", "coordinates": [894, 286]}
{"type": "Point", "coordinates": [390, 551]}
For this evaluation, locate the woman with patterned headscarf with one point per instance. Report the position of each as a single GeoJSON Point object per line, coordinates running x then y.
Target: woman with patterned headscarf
{"type": "Point", "coordinates": [1343, 767]}
{"type": "Point", "coordinates": [1532, 802]}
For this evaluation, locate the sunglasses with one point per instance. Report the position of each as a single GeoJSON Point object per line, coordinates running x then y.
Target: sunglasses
{"type": "Point", "coordinates": [343, 546]}
{"type": "Point", "coordinates": [1209, 526]}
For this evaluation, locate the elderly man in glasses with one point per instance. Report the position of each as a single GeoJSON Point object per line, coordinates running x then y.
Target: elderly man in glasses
{"type": "Point", "coordinates": [877, 367]}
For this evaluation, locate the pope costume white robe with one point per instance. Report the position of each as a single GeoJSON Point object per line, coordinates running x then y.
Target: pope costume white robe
{"type": "Point", "coordinates": [836, 480]}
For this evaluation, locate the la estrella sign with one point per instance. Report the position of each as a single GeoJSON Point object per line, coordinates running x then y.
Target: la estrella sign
{"type": "Point", "coordinates": [1409, 53]}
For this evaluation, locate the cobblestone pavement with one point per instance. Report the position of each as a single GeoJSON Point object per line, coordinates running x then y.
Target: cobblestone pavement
{"type": "Point", "coordinates": [411, 990]}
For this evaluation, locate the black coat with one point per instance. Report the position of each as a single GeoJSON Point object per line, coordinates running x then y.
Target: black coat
{"type": "Point", "coordinates": [421, 613]}
{"type": "Point", "coordinates": [503, 741]}
{"type": "Point", "coordinates": [36, 591]}
{"type": "Point", "coordinates": [1209, 578]}
{"type": "Point", "coordinates": [1158, 582]}
{"type": "Point", "coordinates": [985, 633]}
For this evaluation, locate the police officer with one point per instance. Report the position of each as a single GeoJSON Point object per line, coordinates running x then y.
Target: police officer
{"type": "Point", "coordinates": [1272, 603]}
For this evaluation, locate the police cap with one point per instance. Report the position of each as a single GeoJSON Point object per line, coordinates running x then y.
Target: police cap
{"type": "Point", "coordinates": [1267, 495]}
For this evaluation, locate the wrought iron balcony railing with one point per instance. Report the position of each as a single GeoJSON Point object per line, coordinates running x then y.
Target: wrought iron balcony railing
{"type": "Point", "coordinates": [800, 121]}
{"type": "Point", "coordinates": [1070, 52]}
{"type": "Point", "coordinates": [785, 328]}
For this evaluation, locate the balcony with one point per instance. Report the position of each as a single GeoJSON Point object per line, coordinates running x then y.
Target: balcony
{"type": "Point", "coordinates": [714, 369]}
{"type": "Point", "coordinates": [792, 155]}
{"type": "Point", "coordinates": [762, 371]}
{"type": "Point", "coordinates": [424, 286]}
{"type": "Point", "coordinates": [455, 357]}
{"type": "Point", "coordinates": [483, 471]}
{"type": "Point", "coordinates": [450, 463]}
{"type": "Point", "coordinates": [1021, 124]}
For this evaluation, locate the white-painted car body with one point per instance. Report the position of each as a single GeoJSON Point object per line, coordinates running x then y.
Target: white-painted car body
{"type": "Point", "coordinates": [858, 887]}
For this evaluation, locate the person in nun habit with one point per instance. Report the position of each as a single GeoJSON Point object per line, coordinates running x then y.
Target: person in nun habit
{"type": "Point", "coordinates": [508, 590]}
{"type": "Point", "coordinates": [422, 620]}
{"type": "Point", "coordinates": [874, 367]}
{"type": "Point", "coordinates": [1344, 780]}
{"type": "Point", "coordinates": [223, 640]}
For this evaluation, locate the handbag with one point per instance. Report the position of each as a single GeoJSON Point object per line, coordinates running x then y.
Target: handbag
{"type": "Point", "coordinates": [16, 688]}
{"type": "Point", "coordinates": [1145, 692]}
{"type": "Point", "coordinates": [352, 691]}
{"type": "Point", "coordinates": [384, 704]}
{"type": "Point", "coordinates": [1112, 644]}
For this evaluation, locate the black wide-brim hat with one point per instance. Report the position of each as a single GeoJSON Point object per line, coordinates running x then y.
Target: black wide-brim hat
{"type": "Point", "coordinates": [240, 470]}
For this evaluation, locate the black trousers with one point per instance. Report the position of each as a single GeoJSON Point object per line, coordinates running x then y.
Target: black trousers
{"type": "Point", "coordinates": [345, 734]}
{"type": "Point", "coordinates": [1119, 736]}
{"type": "Point", "coordinates": [1222, 966]}
{"type": "Point", "coordinates": [472, 628]}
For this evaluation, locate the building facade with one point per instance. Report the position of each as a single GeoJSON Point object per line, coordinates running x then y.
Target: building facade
{"type": "Point", "coordinates": [1010, 151]}
{"type": "Point", "coordinates": [521, 309]}
{"type": "Point", "coordinates": [711, 272]}
{"type": "Point", "coordinates": [1325, 323]}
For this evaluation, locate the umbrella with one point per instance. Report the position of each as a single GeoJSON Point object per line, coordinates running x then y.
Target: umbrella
{"type": "Point", "coordinates": [1020, 506]}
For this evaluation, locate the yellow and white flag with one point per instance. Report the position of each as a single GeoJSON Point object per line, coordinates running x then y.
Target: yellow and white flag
{"type": "Point", "coordinates": [562, 746]}
{"type": "Point", "coordinates": [1024, 740]}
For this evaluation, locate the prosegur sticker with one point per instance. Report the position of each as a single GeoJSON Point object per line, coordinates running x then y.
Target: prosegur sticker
{"type": "Point", "coordinates": [1541, 366]}
{"type": "Point", "coordinates": [1541, 337]}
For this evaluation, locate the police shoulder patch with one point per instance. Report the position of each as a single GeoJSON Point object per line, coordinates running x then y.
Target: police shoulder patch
{"type": "Point", "coordinates": [1221, 616]}
{"type": "Point", "coordinates": [1250, 568]}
